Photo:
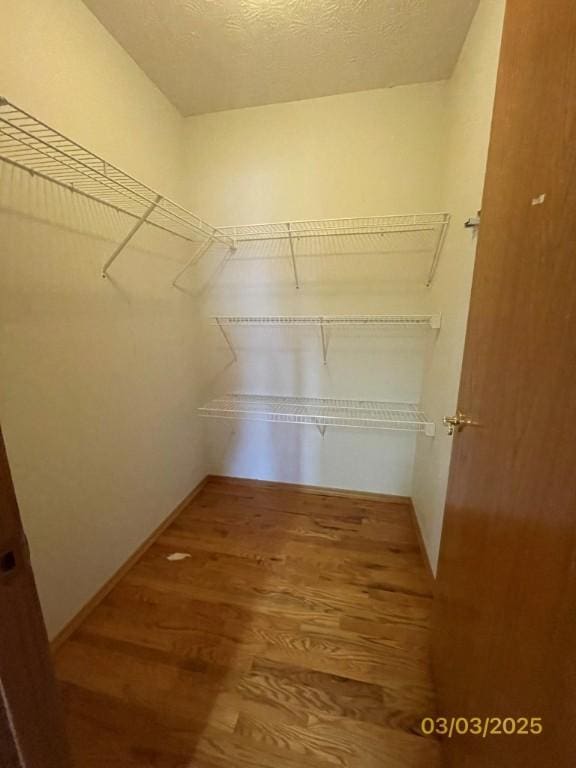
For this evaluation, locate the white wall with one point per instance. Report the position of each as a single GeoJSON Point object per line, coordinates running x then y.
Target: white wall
{"type": "Point", "coordinates": [470, 105]}
{"type": "Point", "coordinates": [370, 153]}
{"type": "Point", "coordinates": [359, 154]}
{"type": "Point", "coordinates": [97, 394]}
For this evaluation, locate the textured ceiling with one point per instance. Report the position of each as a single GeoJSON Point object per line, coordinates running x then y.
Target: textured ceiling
{"type": "Point", "coordinates": [210, 55]}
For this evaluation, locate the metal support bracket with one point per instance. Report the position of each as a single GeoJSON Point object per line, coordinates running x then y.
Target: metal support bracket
{"type": "Point", "coordinates": [292, 255]}
{"type": "Point", "coordinates": [194, 258]}
{"type": "Point", "coordinates": [473, 222]}
{"type": "Point", "coordinates": [437, 252]}
{"type": "Point", "coordinates": [227, 339]}
{"type": "Point", "coordinates": [118, 250]}
{"type": "Point", "coordinates": [324, 335]}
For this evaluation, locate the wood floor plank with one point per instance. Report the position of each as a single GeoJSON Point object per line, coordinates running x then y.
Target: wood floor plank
{"type": "Point", "coordinates": [334, 657]}
{"type": "Point", "coordinates": [225, 751]}
{"type": "Point", "coordinates": [302, 579]}
{"type": "Point", "coordinates": [342, 742]}
{"type": "Point", "coordinates": [239, 512]}
{"type": "Point", "coordinates": [178, 694]}
{"type": "Point", "coordinates": [295, 634]}
{"type": "Point", "coordinates": [301, 694]}
{"type": "Point", "coordinates": [107, 731]}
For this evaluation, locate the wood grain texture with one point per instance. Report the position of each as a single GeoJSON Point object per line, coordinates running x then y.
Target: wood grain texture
{"type": "Point", "coordinates": [505, 625]}
{"type": "Point", "coordinates": [299, 489]}
{"type": "Point", "coordinates": [295, 636]}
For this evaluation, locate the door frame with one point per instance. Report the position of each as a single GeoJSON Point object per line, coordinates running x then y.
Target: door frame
{"type": "Point", "coordinates": [31, 726]}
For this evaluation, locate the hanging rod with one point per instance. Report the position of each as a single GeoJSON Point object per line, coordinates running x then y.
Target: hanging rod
{"type": "Point", "coordinates": [321, 412]}
{"type": "Point", "coordinates": [30, 145]}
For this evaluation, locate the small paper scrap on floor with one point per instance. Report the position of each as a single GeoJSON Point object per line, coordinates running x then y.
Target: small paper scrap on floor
{"type": "Point", "coordinates": [178, 556]}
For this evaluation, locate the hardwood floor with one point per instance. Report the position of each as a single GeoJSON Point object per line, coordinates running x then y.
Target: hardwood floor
{"type": "Point", "coordinates": [295, 636]}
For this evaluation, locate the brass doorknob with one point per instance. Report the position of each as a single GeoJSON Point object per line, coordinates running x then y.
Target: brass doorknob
{"type": "Point", "coordinates": [457, 423]}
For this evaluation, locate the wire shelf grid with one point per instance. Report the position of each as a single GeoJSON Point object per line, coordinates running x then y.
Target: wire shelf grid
{"type": "Point", "coordinates": [364, 225]}
{"type": "Point", "coordinates": [320, 412]}
{"type": "Point", "coordinates": [337, 231]}
{"type": "Point", "coordinates": [328, 320]}
{"type": "Point", "coordinates": [31, 145]}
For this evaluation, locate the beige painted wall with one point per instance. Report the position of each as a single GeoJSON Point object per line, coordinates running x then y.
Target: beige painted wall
{"type": "Point", "coordinates": [359, 154]}
{"type": "Point", "coordinates": [97, 394]}
{"type": "Point", "coordinates": [470, 105]}
{"type": "Point", "coordinates": [369, 153]}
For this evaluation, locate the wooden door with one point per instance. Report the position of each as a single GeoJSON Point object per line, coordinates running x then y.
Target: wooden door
{"type": "Point", "coordinates": [31, 732]}
{"type": "Point", "coordinates": [505, 623]}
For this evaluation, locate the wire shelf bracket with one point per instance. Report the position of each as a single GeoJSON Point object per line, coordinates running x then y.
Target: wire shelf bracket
{"type": "Point", "coordinates": [324, 338]}
{"type": "Point", "coordinates": [324, 322]}
{"type": "Point", "coordinates": [437, 252]}
{"type": "Point", "coordinates": [321, 412]}
{"type": "Point", "coordinates": [226, 338]}
{"type": "Point", "coordinates": [293, 255]}
{"type": "Point", "coordinates": [30, 145]}
{"type": "Point", "coordinates": [118, 250]}
{"type": "Point", "coordinates": [194, 259]}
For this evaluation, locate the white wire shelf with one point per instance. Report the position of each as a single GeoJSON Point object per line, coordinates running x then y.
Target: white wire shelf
{"type": "Point", "coordinates": [31, 145]}
{"type": "Point", "coordinates": [324, 322]}
{"type": "Point", "coordinates": [432, 321]}
{"type": "Point", "coordinates": [365, 225]}
{"type": "Point", "coordinates": [359, 227]}
{"type": "Point", "coordinates": [321, 412]}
